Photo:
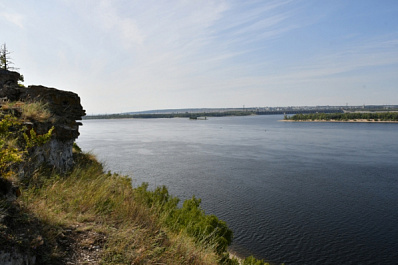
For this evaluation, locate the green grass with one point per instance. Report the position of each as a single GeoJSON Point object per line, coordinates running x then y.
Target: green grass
{"type": "Point", "coordinates": [136, 229]}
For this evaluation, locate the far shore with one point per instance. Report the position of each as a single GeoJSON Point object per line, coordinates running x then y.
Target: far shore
{"type": "Point", "coordinates": [350, 121]}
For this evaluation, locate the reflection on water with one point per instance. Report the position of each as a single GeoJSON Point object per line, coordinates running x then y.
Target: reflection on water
{"type": "Point", "coordinates": [299, 193]}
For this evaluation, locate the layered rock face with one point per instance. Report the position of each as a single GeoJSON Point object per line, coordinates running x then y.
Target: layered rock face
{"type": "Point", "coordinates": [66, 110]}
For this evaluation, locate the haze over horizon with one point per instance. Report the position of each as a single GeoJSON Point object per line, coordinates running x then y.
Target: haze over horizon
{"type": "Point", "coordinates": [125, 56]}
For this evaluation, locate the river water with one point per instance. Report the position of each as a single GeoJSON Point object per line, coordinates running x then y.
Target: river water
{"type": "Point", "coordinates": [298, 193]}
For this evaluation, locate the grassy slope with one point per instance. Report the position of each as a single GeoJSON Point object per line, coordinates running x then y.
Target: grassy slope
{"type": "Point", "coordinates": [92, 217]}
{"type": "Point", "coordinates": [98, 215]}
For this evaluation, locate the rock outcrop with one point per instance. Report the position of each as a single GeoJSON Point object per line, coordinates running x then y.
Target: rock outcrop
{"type": "Point", "coordinates": [8, 77]}
{"type": "Point", "coordinates": [66, 110]}
{"type": "Point", "coordinates": [9, 84]}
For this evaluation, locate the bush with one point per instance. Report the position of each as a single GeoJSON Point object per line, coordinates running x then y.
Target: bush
{"type": "Point", "coordinates": [15, 142]}
{"type": "Point", "coordinates": [190, 218]}
{"type": "Point", "coordinates": [253, 261]}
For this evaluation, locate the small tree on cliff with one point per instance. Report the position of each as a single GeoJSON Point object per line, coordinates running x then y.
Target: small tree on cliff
{"type": "Point", "coordinates": [4, 57]}
{"type": "Point", "coordinates": [5, 61]}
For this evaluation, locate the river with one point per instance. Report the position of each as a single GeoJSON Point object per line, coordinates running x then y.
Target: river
{"type": "Point", "coordinates": [298, 193]}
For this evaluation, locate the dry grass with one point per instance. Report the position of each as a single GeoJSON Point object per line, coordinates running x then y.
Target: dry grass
{"type": "Point", "coordinates": [36, 110]}
{"type": "Point", "coordinates": [7, 105]}
{"type": "Point", "coordinates": [104, 204]}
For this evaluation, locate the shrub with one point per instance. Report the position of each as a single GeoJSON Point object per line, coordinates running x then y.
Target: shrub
{"type": "Point", "coordinates": [190, 218]}
{"type": "Point", "coordinates": [253, 261]}
{"type": "Point", "coordinates": [10, 153]}
{"type": "Point", "coordinates": [15, 142]}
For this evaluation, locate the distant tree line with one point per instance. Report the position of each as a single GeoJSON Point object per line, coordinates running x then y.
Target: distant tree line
{"type": "Point", "coordinates": [369, 116]}
{"type": "Point", "coordinates": [171, 115]}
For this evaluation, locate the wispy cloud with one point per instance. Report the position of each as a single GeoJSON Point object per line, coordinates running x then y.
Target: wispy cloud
{"type": "Point", "coordinates": [356, 65]}
{"type": "Point", "coordinates": [358, 55]}
{"type": "Point", "coordinates": [208, 53]}
{"type": "Point", "coordinates": [256, 22]}
{"type": "Point", "coordinates": [112, 21]}
{"type": "Point", "coordinates": [14, 18]}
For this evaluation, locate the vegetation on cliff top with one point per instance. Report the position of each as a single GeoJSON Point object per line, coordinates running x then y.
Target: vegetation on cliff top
{"type": "Point", "coordinates": [15, 139]}
{"type": "Point", "coordinates": [28, 111]}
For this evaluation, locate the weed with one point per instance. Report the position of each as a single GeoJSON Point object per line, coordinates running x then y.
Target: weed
{"type": "Point", "coordinates": [35, 110]}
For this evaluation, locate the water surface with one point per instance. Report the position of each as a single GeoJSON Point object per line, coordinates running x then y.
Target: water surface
{"type": "Point", "coordinates": [298, 193]}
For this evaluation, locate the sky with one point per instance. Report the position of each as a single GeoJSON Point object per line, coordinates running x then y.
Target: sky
{"type": "Point", "coordinates": [126, 55]}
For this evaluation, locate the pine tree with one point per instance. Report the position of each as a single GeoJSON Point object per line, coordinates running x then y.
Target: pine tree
{"type": "Point", "coordinates": [5, 59]}
{"type": "Point", "coordinates": [5, 62]}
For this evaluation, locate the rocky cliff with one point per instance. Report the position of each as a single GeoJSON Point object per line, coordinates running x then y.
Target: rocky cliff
{"type": "Point", "coordinates": [65, 110]}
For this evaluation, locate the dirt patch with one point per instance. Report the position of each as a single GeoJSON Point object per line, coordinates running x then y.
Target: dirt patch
{"type": "Point", "coordinates": [24, 234]}
{"type": "Point", "coordinates": [83, 245]}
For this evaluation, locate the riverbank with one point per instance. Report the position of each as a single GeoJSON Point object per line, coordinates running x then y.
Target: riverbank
{"type": "Point", "coordinates": [88, 216]}
{"type": "Point", "coordinates": [342, 121]}
{"type": "Point", "coordinates": [91, 217]}
{"type": "Point", "coordinates": [370, 117]}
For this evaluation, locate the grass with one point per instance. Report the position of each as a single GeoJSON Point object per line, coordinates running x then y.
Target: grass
{"type": "Point", "coordinates": [89, 213]}
{"type": "Point", "coordinates": [125, 225]}
{"type": "Point", "coordinates": [107, 205]}
{"type": "Point", "coordinates": [35, 110]}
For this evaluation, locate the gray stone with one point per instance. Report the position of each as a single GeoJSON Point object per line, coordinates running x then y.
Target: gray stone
{"type": "Point", "coordinates": [16, 258]}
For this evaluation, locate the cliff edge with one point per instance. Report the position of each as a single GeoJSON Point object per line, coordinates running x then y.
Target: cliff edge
{"type": "Point", "coordinates": [66, 111]}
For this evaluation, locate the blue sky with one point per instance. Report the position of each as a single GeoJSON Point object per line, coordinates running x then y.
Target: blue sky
{"type": "Point", "coordinates": [124, 56]}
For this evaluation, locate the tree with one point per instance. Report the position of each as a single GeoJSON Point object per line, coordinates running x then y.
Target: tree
{"type": "Point", "coordinates": [5, 62]}
{"type": "Point", "coordinates": [5, 59]}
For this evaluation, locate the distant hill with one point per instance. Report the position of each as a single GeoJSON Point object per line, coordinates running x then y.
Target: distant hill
{"type": "Point", "coordinates": [191, 110]}
{"type": "Point", "coordinates": [267, 109]}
